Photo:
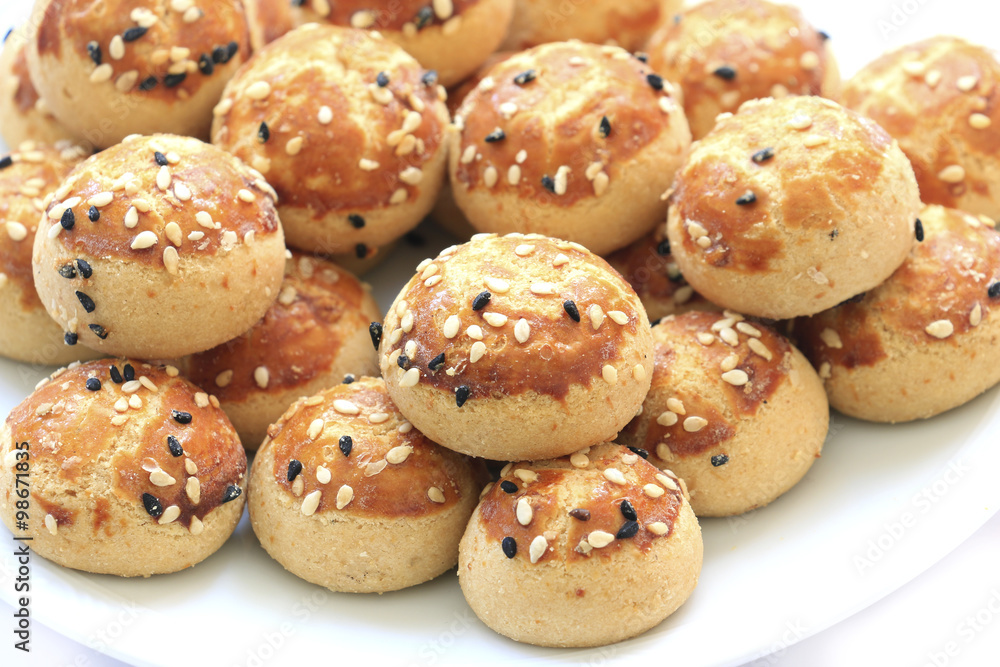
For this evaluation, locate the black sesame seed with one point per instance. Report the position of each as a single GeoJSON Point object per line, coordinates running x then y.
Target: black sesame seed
{"type": "Point", "coordinates": [628, 511]}
{"type": "Point", "coordinates": [549, 184]}
{"type": "Point", "coordinates": [481, 300]}
{"type": "Point", "coordinates": [508, 486]}
{"type": "Point", "coordinates": [720, 460]}
{"type": "Point", "coordinates": [94, 51]}
{"type": "Point", "coordinates": [298, 3]}
{"type": "Point", "coordinates": [640, 451]}
{"type": "Point", "coordinates": [571, 310]}
{"type": "Point", "coordinates": [356, 220]}
{"type": "Point", "coordinates": [361, 250]}
{"type": "Point", "coordinates": [653, 324]}
{"type": "Point", "coordinates": [994, 290]}
{"type": "Point", "coordinates": [382, 79]}
{"type": "Point", "coordinates": [725, 72]}
{"type": "Point", "coordinates": [655, 80]}
{"type": "Point", "coordinates": [424, 17]}
{"type": "Point", "coordinates": [495, 136]}
{"type": "Point", "coordinates": [148, 83]}
{"type": "Point", "coordinates": [663, 248]}
{"type": "Point", "coordinates": [231, 49]}
{"type": "Point", "coordinates": [219, 55]}
{"type": "Point", "coordinates": [7, 35]}
{"type": "Point", "coordinates": [70, 338]}
{"type": "Point", "coordinates": [6, 161]}
{"type": "Point", "coordinates": [375, 331]}
{"type": "Point", "coordinates": [436, 363]}
{"type": "Point", "coordinates": [580, 514]}
{"type": "Point", "coordinates": [205, 64]}
{"type": "Point", "coordinates": [403, 362]}
{"type": "Point", "coordinates": [346, 444]}
{"type": "Point", "coordinates": [181, 417]}
{"type": "Point", "coordinates": [674, 274]}
{"type": "Point", "coordinates": [94, 214]}
{"type": "Point", "coordinates": [232, 493]}
{"type": "Point", "coordinates": [349, 379]}
{"type": "Point", "coordinates": [429, 78]}
{"type": "Point", "coordinates": [834, 234]}
{"type": "Point", "coordinates": [68, 219]}
{"type": "Point", "coordinates": [628, 530]}
{"type": "Point", "coordinates": [134, 33]}
{"type": "Point", "coordinates": [174, 80]}
{"type": "Point", "coordinates": [86, 302]}
{"type": "Point", "coordinates": [116, 375]}
{"type": "Point", "coordinates": [294, 468]}
{"type": "Point", "coordinates": [153, 506]}
{"type": "Point", "coordinates": [605, 127]}
{"type": "Point", "coordinates": [462, 395]}
{"type": "Point", "coordinates": [263, 133]}
{"type": "Point", "coordinates": [160, 159]}
{"type": "Point", "coordinates": [67, 271]}
{"type": "Point", "coordinates": [174, 445]}
{"type": "Point", "coordinates": [823, 34]}
{"type": "Point", "coordinates": [763, 155]}
{"type": "Point", "coordinates": [93, 384]}
{"type": "Point", "coordinates": [128, 372]}
{"type": "Point", "coordinates": [747, 199]}
{"type": "Point", "coordinates": [509, 546]}
{"type": "Point", "coordinates": [641, 56]}
{"type": "Point", "coordinates": [525, 77]}
{"type": "Point", "coordinates": [918, 227]}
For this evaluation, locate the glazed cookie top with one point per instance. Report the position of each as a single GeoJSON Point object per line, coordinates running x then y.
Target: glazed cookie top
{"type": "Point", "coordinates": [512, 314]}
{"type": "Point", "coordinates": [163, 50]}
{"type": "Point", "coordinates": [349, 448]}
{"type": "Point", "coordinates": [151, 199]}
{"type": "Point", "coordinates": [598, 502]}
{"type": "Point", "coordinates": [132, 430]}
{"type": "Point", "coordinates": [939, 98]}
{"type": "Point", "coordinates": [561, 119]}
{"type": "Point", "coordinates": [947, 287]}
{"type": "Point", "coordinates": [21, 89]}
{"type": "Point", "coordinates": [28, 176]}
{"type": "Point", "coordinates": [295, 341]}
{"type": "Point", "coordinates": [406, 16]}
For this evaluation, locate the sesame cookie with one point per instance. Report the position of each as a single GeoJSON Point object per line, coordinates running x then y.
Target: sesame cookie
{"type": "Point", "coordinates": [734, 409]}
{"type": "Point", "coordinates": [452, 37]}
{"type": "Point", "coordinates": [517, 347]}
{"type": "Point", "coordinates": [724, 52]}
{"type": "Point", "coordinates": [134, 471]}
{"type": "Point", "coordinates": [570, 140]}
{"type": "Point", "coordinates": [790, 207]}
{"type": "Point", "coordinates": [584, 550]}
{"type": "Point", "coordinates": [349, 130]}
{"type": "Point", "coordinates": [310, 338]}
{"type": "Point", "coordinates": [939, 99]}
{"type": "Point", "coordinates": [924, 341]}
{"type": "Point", "coordinates": [158, 247]}
{"type": "Point", "coordinates": [110, 69]}
{"type": "Point", "coordinates": [346, 494]}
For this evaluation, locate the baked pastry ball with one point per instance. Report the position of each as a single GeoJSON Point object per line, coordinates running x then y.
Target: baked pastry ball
{"type": "Point", "coordinates": [24, 116]}
{"type": "Point", "coordinates": [134, 471]}
{"type": "Point", "coordinates": [349, 130]}
{"type": "Point", "coordinates": [584, 550]}
{"type": "Point", "coordinates": [346, 494]}
{"type": "Point", "coordinates": [452, 37]}
{"type": "Point", "coordinates": [626, 23]}
{"type": "Point", "coordinates": [517, 329]}
{"type": "Point", "coordinates": [570, 140]}
{"type": "Point", "coordinates": [27, 177]}
{"type": "Point", "coordinates": [650, 269]}
{"type": "Point", "coordinates": [159, 247]}
{"type": "Point", "coordinates": [268, 20]}
{"type": "Point", "coordinates": [790, 207]}
{"type": "Point", "coordinates": [110, 69]}
{"type": "Point", "coordinates": [939, 99]}
{"type": "Point", "coordinates": [924, 341]}
{"type": "Point", "coordinates": [734, 410]}
{"type": "Point", "coordinates": [725, 52]}
{"type": "Point", "coordinates": [310, 338]}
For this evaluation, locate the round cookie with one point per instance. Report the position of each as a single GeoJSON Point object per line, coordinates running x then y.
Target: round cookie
{"type": "Point", "coordinates": [268, 20]}
{"type": "Point", "coordinates": [939, 99]}
{"type": "Point", "coordinates": [27, 177]}
{"type": "Point", "coordinates": [180, 245]}
{"type": "Point", "coordinates": [571, 140]}
{"type": "Point", "coordinates": [626, 23]}
{"type": "Point", "coordinates": [133, 470]}
{"type": "Point", "coordinates": [584, 550]}
{"type": "Point", "coordinates": [523, 330]}
{"type": "Point", "coordinates": [25, 116]}
{"type": "Point", "coordinates": [734, 410]}
{"type": "Point", "coordinates": [310, 338]}
{"type": "Point", "coordinates": [790, 207]}
{"type": "Point", "coordinates": [347, 127]}
{"type": "Point", "coordinates": [346, 494]}
{"type": "Point", "coordinates": [724, 52]}
{"type": "Point", "coordinates": [110, 69]}
{"type": "Point", "coordinates": [452, 37]}
{"type": "Point", "coordinates": [924, 341]}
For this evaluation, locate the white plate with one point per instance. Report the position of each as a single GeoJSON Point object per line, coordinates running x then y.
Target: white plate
{"type": "Point", "coordinates": [883, 504]}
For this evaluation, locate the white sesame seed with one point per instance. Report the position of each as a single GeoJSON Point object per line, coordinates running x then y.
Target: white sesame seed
{"type": "Point", "coordinates": [315, 428]}
{"type": "Point", "coordinates": [696, 230]}
{"type": "Point", "coordinates": [16, 231]}
{"type": "Point", "coordinates": [940, 328]}
{"type": "Point", "coordinates": [323, 475]}
{"type": "Point", "coordinates": [192, 15]}
{"type": "Point", "coordinates": [490, 176]}
{"type": "Point", "coordinates": [561, 180]}
{"type": "Point", "coordinates": [298, 486]}
{"type": "Point", "coordinates": [560, 260]}
{"type": "Point", "coordinates": [523, 511]}
{"type": "Point", "coordinates": [497, 285]}
{"type": "Point", "coordinates": [980, 121]}
{"type": "Point", "coordinates": [495, 319]}
{"type": "Point", "coordinates": [508, 110]}
{"type": "Point", "coordinates": [954, 173]}
{"type": "Point", "coordinates": [435, 495]}
{"type": "Point", "coordinates": [477, 351]}
{"type": "Point", "coordinates": [596, 314]}
{"type": "Point", "coordinates": [398, 454]}
{"type": "Point", "coordinates": [600, 538]}
{"type": "Point", "coordinates": [521, 156]}
{"type": "Point", "coordinates": [204, 218]}
{"type": "Point", "coordinates": [381, 95]}
{"type": "Point", "coordinates": [579, 460]}
{"type": "Point", "coordinates": [406, 322]}
{"type": "Point", "coordinates": [695, 424]}
{"type": "Point", "coordinates": [524, 250]}
{"type": "Point", "coordinates": [258, 90]}
{"type": "Point", "coordinates": [759, 348]}
{"type": "Point", "coordinates": [967, 83]}
{"type": "Point", "coordinates": [311, 502]}
{"type": "Point", "coordinates": [618, 317]}
{"type": "Point", "coordinates": [522, 330]}
{"type": "Point", "coordinates": [144, 240]}
{"type": "Point", "coordinates": [814, 140]}
{"type": "Point", "coordinates": [658, 528]}
{"type": "Point", "coordinates": [601, 183]}
{"type": "Point", "coordinates": [345, 495]}
{"type": "Point", "coordinates": [639, 372]}
{"type": "Point", "coordinates": [169, 515]}
{"type": "Point", "coordinates": [101, 199]}
{"type": "Point", "coordinates": [160, 478]}
{"type": "Point", "coordinates": [451, 326]}
{"type": "Point", "coordinates": [163, 178]}
{"type": "Point", "coordinates": [345, 407]}
{"type": "Point", "coordinates": [119, 420]}
{"type": "Point", "coordinates": [474, 332]}
{"type": "Point", "coordinates": [735, 377]}
{"type": "Point", "coordinates": [914, 68]}
{"type": "Point", "coordinates": [976, 316]}
{"type": "Point", "coordinates": [368, 165]}
{"type": "Point", "coordinates": [831, 338]}
{"type": "Point", "coordinates": [667, 482]}
{"type": "Point", "coordinates": [729, 336]}
{"type": "Point", "coordinates": [224, 378]}
{"type": "Point", "coordinates": [468, 155]}
{"type": "Point", "coordinates": [410, 378]}
{"type": "Point", "coordinates": [182, 192]}
{"type": "Point", "coordinates": [809, 60]}
{"type": "Point", "coordinates": [171, 260]}
{"type": "Point", "coordinates": [614, 475]}
{"type": "Point", "coordinates": [191, 467]}
{"type": "Point", "coordinates": [246, 196]}
{"type": "Point", "coordinates": [667, 418]}
{"type": "Point", "coordinates": [730, 362]}
{"type": "Point", "coordinates": [193, 489]}
{"type": "Point", "coordinates": [411, 176]}
{"type": "Point", "coordinates": [525, 475]}
{"type": "Point", "coordinates": [132, 218]}
{"type": "Point", "coordinates": [201, 399]}
{"type": "Point", "coordinates": [102, 73]}
{"type": "Point", "coordinates": [610, 374]}
{"type": "Point", "coordinates": [653, 491]}
{"type": "Point", "coordinates": [514, 174]}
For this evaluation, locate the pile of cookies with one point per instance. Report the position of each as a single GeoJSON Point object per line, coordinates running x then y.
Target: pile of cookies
{"type": "Point", "coordinates": [515, 411]}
